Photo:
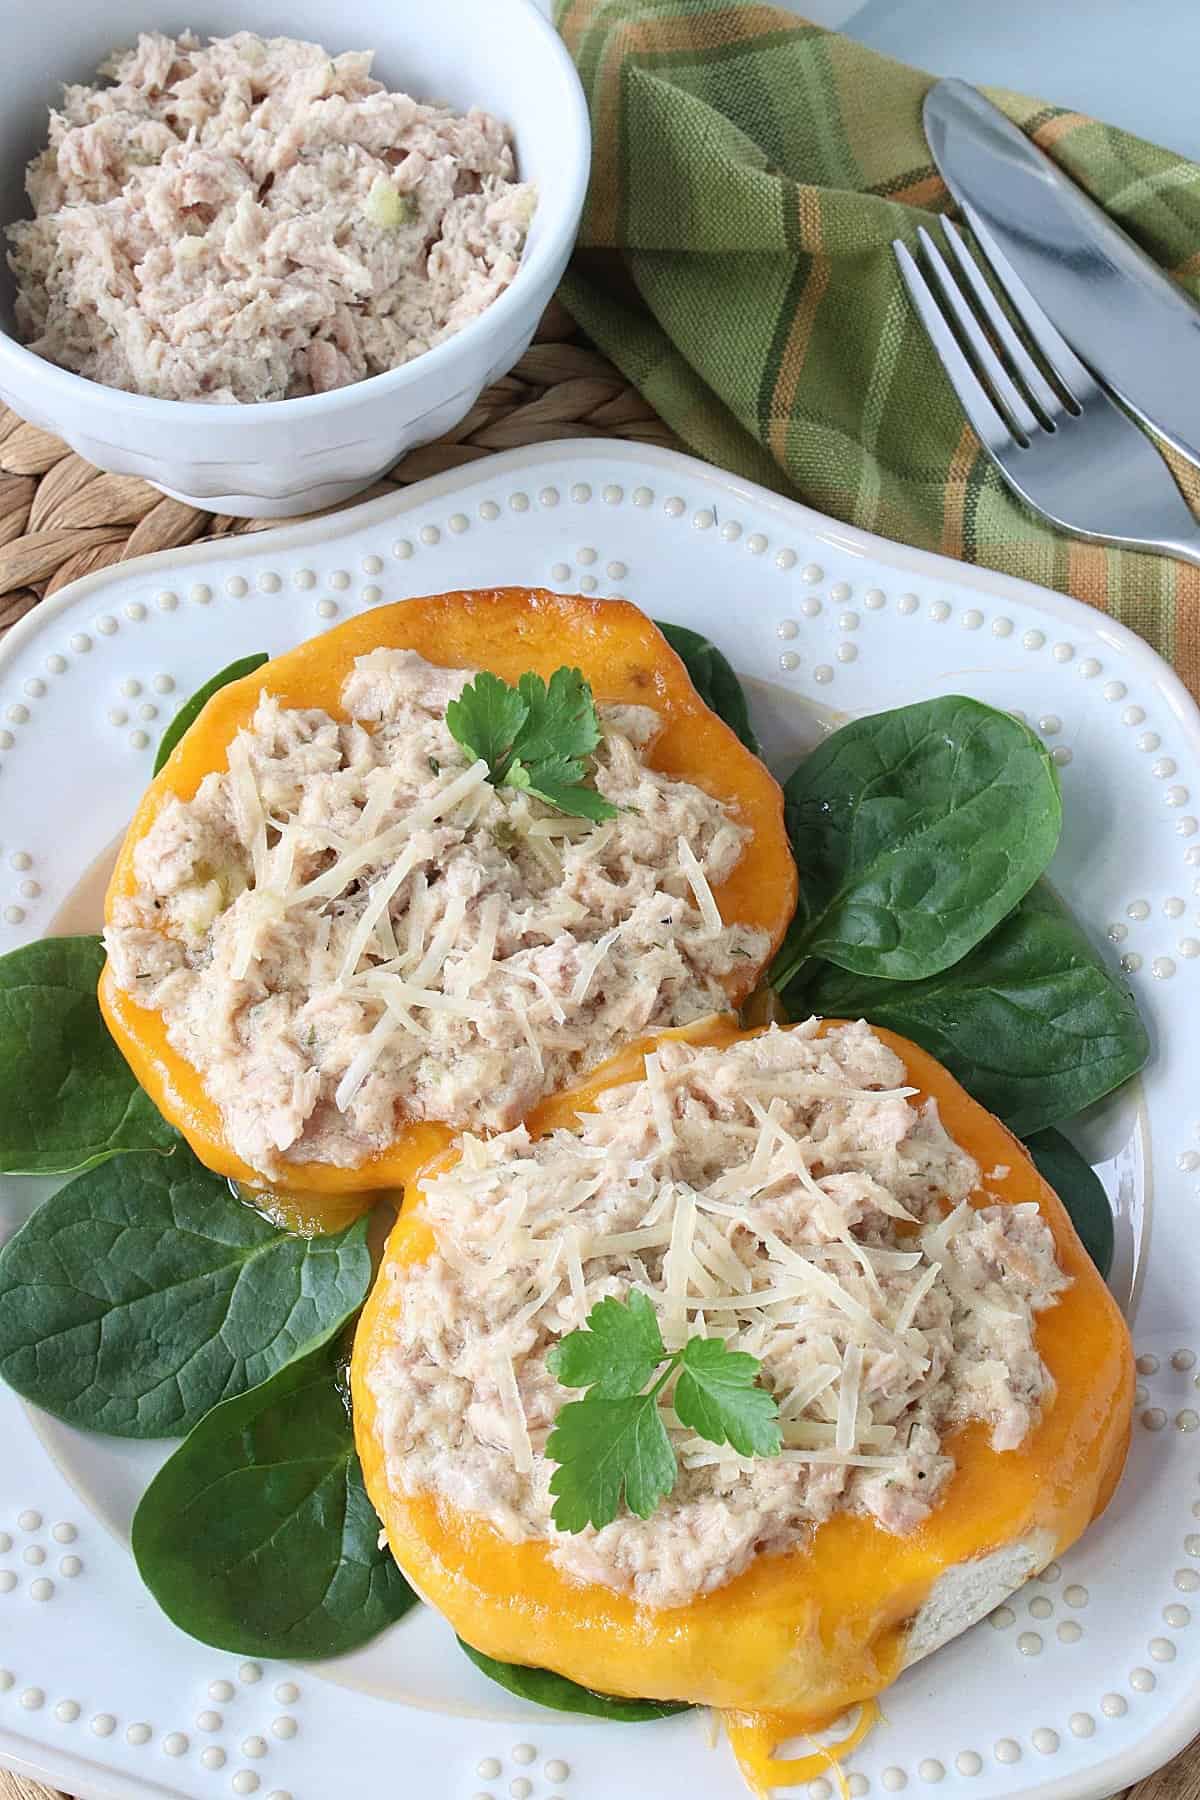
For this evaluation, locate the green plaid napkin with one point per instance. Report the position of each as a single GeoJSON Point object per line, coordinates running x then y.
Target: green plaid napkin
{"type": "Point", "coordinates": [735, 262]}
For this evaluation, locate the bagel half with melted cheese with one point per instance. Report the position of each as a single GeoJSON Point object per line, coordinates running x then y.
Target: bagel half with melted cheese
{"type": "Point", "coordinates": [332, 925]}
{"type": "Point", "coordinates": [955, 1381]}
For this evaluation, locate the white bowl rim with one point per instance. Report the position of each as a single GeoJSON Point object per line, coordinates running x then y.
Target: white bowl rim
{"type": "Point", "coordinates": [68, 388]}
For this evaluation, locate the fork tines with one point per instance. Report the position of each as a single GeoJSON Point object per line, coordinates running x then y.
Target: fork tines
{"type": "Point", "coordinates": [1003, 391]}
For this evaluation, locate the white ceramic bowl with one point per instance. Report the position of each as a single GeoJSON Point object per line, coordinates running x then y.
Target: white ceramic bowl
{"type": "Point", "coordinates": [284, 457]}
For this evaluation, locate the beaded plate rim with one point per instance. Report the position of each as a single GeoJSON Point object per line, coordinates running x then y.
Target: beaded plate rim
{"type": "Point", "coordinates": [674, 475]}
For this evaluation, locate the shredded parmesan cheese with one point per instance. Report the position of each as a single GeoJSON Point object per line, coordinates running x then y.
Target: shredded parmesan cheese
{"type": "Point", "coordinates": [698, 882]}
{"type": "Point", "coordinates": [442, 942]}
{"type": "Point", "coordinates": [677, 1270]}
{"type": "Point", "coordinates": [378, 901]}
{"type": "Point", "coordinates": [914, 1297]}
{"type": "Point", "coordinates": [385, 844]}
{"type": "Point", "coordinates": [660, 1103]}
{"type": "Point", "coordinates": [590, 962]}
{"type": "Point", "coordinates": [781, 1193]}
{"type": "Point", "coordinates": [374, 1045]}
{"type": "Point", "coordinates": [248, 808]}
{"type": "Point", "coordinates": [849, 1388]}
{"type": "Point", "coordinates": [514, 1412]}
{"type": "Point", "coordinates": [350, 926]}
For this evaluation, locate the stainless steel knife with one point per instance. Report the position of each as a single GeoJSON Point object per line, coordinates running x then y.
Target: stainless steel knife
{"type": "Point", "coordinates": [1135, 327]}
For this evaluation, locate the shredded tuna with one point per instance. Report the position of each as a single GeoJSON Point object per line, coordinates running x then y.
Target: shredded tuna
{"type": "Point", "coordinates": [352, 926]}
{"type": "Point", "coordinates": [769, 1206]}
{"type": "Point", "coordinates": [255, 219]}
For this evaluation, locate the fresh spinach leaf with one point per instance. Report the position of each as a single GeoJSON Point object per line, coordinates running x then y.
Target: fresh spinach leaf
{"type": "Point", "coordinates": [1033, 1023]}
{"type": "Point", "coordinates": [545, 1688]}
{"type": "Point", "coordinates": [67, 1097]}
{"type": "Point", "coordinates": [258, 1537]}
{"type": "Point", "coordinates": [143, 1293]}
{"type": "Point", "coordinates": [915, 832]}
{"type": "Point", "coordinates": [1080, 1190]}
{"type": "Point", "coordinates": [713, 679]}
{"type": "Point", "coordinates": [191, 709]}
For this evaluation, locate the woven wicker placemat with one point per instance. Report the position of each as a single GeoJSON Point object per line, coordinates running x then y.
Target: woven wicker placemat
{"type": "Point", "coordinates": [61, 518]}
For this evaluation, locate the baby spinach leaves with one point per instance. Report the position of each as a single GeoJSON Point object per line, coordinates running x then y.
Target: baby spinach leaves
{"type": "Point", "coordinates": [545, 1688]}
{"type": "Point", "coordinates": [67, 1098]}
{"type": "Point", "coordinates": [143, 1293]}
{"type": "Point", "coordinates": [1032, 1022]}
{"type": "Point", "coordinates": [258, 1537]}
{"type": "Point", "coordinates": [920, 836]}
{"type": "Point", "coordinates": [191, 709]}
{"type": "Point", "coordinates": [1080, 1190]}
{"type": "Point", "coordinates": [915, 832]}
{"type": "Point", "coordinates": [713, 679]}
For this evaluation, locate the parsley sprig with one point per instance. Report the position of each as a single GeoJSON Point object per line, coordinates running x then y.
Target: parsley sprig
{"type": "Point", "coordinates": [535, 736]}
{"type": "Point", "coordinates": [614, 1440]}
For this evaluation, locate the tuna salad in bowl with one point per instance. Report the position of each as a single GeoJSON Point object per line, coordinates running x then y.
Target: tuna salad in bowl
{"type": "Point", "coordinates": [261, 267]}
{"type": "Point", "coordinates": [252, 219]}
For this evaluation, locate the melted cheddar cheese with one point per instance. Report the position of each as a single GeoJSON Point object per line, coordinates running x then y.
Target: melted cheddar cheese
{"type": "Point", "coordinates": [797, 1638]}
{"type": "Point", "coordinates": [508, 631]}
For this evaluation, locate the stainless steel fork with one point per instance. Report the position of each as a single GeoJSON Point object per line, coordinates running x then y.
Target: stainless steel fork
{"type": "Point", "coordinates": [1062, 445]}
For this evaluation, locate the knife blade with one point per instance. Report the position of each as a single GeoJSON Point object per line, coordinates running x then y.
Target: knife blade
{"type": "Point", "coordinates": [1135, 327]}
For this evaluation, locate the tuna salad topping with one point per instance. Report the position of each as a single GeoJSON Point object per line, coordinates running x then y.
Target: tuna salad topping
{"type": "Point", "coordinates": [254, 219]}
{"type": "Point", "coordinates": [783, 1193]}
{"type": "Point", "coordinates": [353, 927]}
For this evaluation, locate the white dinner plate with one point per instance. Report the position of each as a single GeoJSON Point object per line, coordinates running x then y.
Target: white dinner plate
{"type": "Point", "coordinates": [1091, 1676]}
